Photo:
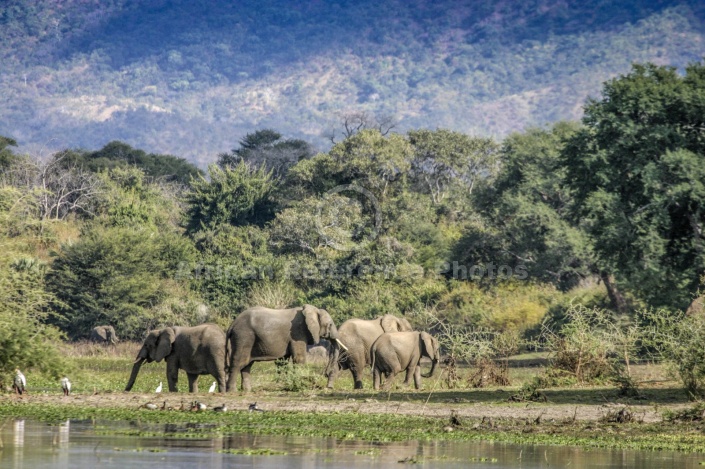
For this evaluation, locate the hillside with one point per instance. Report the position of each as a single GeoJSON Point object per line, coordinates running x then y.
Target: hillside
{"type": "Point", "coordinates": [192, 77]}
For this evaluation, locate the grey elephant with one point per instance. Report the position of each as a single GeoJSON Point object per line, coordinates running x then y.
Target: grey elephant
{"type": "Point", "coordinates": [396, 351]}
{"type": "Point", "coordinates": [104, 335]}
{"type": "Point", "coordinates": [198, 350]}
{"type": "Point", "coordinates": [359, 335]}
{"type": "Point", "coordinates": [263, 334]}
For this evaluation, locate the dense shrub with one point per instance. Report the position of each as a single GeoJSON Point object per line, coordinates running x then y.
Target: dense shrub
{"type": "Point", "coordinates": [678, 338]}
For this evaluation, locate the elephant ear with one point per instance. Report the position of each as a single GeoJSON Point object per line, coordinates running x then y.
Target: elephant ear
{"type": "Point", "coordinates": [405, 325]}
{"type": "Point", "coordinates": [312, 322]}
{"type": "Point", "coordinates": [164, 343]}
{"type": "Point", "coordinates": [390, 323]}
{"type": "Point", "coordinates": [428, 344]}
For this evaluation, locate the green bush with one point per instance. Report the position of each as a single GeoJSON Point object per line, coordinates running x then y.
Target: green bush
{"type": "Point", "coordinates": [26, 342]}
{"type": "Point", "coordinates": [678, 338]}
{"type": "Point", "coordinates": [117, 276]}
{"type": "Point", "coordinates": [295, 378]}
{"type": "Point", "coordinates": [581, 348]}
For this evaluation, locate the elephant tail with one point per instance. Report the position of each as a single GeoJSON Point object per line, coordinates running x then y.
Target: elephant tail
{"type": "Point", "coordinates": [373, 352]}
{"type": "Point", "coordinates": [228, 350]}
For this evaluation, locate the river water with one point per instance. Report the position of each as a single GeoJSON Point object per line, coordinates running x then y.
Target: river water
{"type": "Point", "coordinates": [85, 444]}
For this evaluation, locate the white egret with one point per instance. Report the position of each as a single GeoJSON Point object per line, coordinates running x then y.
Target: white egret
{"type": "Point", "coordinates": [66, 386]}
{"type": "Point", "coordinates": [20, 383]}
{"type": "Point", "coordinates": [159, 388]}
{"type": "Point", "coordinates": [213, 386]}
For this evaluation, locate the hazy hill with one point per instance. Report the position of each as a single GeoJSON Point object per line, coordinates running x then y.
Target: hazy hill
{"type": "Point", "coordinates": [190, 77]}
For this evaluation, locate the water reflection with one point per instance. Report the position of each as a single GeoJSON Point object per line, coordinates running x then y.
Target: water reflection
{"type": "Point", "coordinates": [80, 444]}
{"type": "Point", "coordinates": [18, 442]}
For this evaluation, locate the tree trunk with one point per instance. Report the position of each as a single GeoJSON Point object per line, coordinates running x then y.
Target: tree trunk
{"type": "Point", "coordinates": [616, 298]}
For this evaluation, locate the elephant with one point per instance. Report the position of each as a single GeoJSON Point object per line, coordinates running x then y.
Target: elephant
{"type": "Point", "coordinates": [104, 335]}
{"type": "Point", "coordinates": [393, 352]}
{"type": "Point", "coordinates": [198, 350]}
{"type": "Point", "coordinates": [359, 335]}
{"type": "Point", "coordinates": [263, 334]}
{"type": "Point", "coordinates": [318, 353]}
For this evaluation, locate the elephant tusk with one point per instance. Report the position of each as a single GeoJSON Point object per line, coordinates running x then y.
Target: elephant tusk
{"type": "Point", "coordinates": [342, 345]}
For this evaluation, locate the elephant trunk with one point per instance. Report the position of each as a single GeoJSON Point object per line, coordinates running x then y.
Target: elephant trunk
{"type": "Point", "coordinates": [332, 367]}
{"type": "Point", "coordinates": [434, 362]}
{"type": "Point", "coordinates": [133, 375]}
{"type": "Point", "coordinates": [333, 333]}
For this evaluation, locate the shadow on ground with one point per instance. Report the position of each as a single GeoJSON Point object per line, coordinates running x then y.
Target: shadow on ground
{"type": "Point", "coordinates": [556, 396]}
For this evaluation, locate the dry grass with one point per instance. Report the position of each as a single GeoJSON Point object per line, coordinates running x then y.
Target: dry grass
{"type": "Point", "coordinates": [87, 349]}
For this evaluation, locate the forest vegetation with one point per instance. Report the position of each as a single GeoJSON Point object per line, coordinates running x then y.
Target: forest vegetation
{"type": "Point", "coordinates": [599, 221]}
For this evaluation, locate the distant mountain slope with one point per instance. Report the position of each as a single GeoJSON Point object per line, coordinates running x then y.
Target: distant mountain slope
{"type": "Point", "coordinates": [190, 77]}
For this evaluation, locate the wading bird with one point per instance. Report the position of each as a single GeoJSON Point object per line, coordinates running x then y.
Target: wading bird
{"type": "Point", "coordinates": [213, 386]}
{"type": "Point", "coordinates": [20, 383]}
{"type": "Point", "coordinates": [150, 406]}
{"type": "Point", "coordinates": [159, 388]}
{"type": "Point", "coordinates": [222, 408]}
{"type": "Point", "coordinates": [198, 406]}
{"type": "Point", "coordinates": [253, 408]}
{"type": "Point", "coordinates": [66, 386]}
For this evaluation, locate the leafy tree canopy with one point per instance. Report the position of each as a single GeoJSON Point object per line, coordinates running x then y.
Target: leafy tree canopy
{"type": "Point", "coordinates": [239, 195]}
{"type": "Point", "coordinates": [637, 172]}
{"type": "Point", "coordinates": [267, 148]}
{"type": "Point", "coordinates": [120, 154]}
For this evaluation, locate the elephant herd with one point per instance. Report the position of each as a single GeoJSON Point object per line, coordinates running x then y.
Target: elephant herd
{"type": "Point", "coordinates": [386, 343]}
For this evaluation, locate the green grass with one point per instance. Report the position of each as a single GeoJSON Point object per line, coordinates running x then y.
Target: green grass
{"type": "Point", "coordinates": [105, 371]}
{"type": "Point", "coordinates": [97, 369]}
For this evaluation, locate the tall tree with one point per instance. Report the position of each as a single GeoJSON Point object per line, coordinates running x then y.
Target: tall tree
{"type": "Point", "coordinates": [267, 148]}
{"type": "Point", "coordinates": [7, 156]}
{"type": "Point", "coordinates": [238, 196]}
{"type": "Point", "coordinates": [637, 171]}
{"type": "Point", "coordinates": [443, 158]}
{"type": "Point", "coordinates": [119, 154]}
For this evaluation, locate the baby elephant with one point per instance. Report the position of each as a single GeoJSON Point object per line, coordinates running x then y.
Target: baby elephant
{"type": "Point", "coordinates": [393, 352]}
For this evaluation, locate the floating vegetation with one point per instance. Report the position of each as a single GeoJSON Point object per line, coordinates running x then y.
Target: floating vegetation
{"type": "Point", "coordinates": [254, 451]}
{"type": "Point", "coordinates": [379, 428]}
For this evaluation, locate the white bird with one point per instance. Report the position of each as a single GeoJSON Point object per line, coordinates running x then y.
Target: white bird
{"type": "Point", "coordinates": [198, 406]}
{"type": "Point", "coordinates": [20, 383]}
{"type": "Point", "coordinates": [212, 388]}
{"type": "Point", "coordinates": [150, 406]}
{"type": "Point", "coordinates": [66, 385]}
{"type": "Point", "coordinates": [159, 388]}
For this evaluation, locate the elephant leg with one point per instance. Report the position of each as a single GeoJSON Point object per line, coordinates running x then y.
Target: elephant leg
{"type": "Point", "coordinates": [357, 366]}
{"type": "Point", "coordinates": [417, 377]}
{"type": "Point", "coordinates": [407, 378]}
{"type": "Point", "coordinates": [239, 360]}
{"type": "Point", "coordinates": [245, 372]}
{"type": "Point", "coordinates": [388, 380]}
{"type": "Point", "coordinates": [298, 352]}
{"type": "Point", "coordinates": [376, 379]}
{"type": "Point", "coordinates": [219, 378]}
{"type": "Point", "coordinates": [332, 376]}
{"type": "Point", "coordinates": [231, 385]}
{"type": "Point", "coordinates": [192, 382]}
{"type": "Point", "coordinates": [172, 376]}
